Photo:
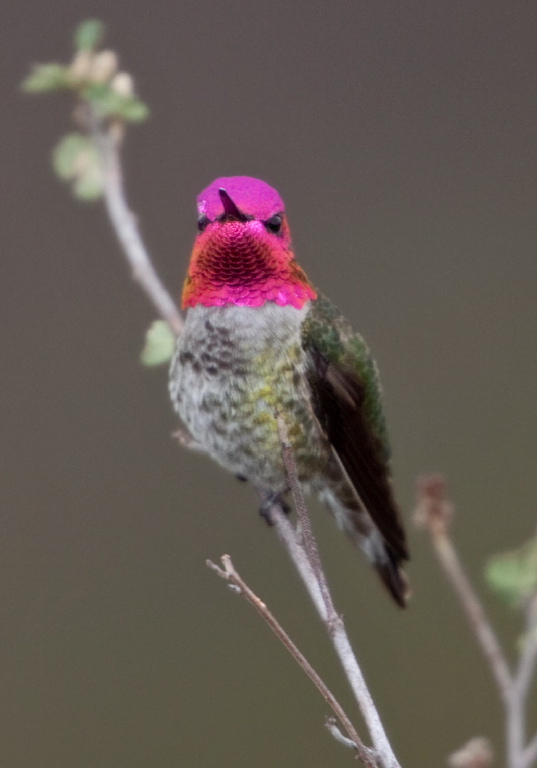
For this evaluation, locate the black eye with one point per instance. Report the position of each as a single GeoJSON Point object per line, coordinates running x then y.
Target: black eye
{"type": "Point", "coordinates": [274, 224]}
{"type": "Point", "coordinates": [202, 223]}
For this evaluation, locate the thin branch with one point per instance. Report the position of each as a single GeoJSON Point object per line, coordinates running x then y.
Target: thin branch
{"type": "Point", "coordinates": [325, 607]}
{"type": "Point", "coordinates": [291, 541]}
{"type": "Point", "coordinates": [108, 142]}
{"type": "Point", "coordinates": [516, 713]}
{"type": "Point", "coordinates": [530, 753]}
{"type": "Point", "coordinates": [474, 612]}
{"type": "Point", "coordinates": [528, 655]}
{"type": "Point", "coordinates": [310, 543]}
{"type": "Point", "coordinates": [434, 512]}
{"type": "Point", "coordinates": [229, 574]}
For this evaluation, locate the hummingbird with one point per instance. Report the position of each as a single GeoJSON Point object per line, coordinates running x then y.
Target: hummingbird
{"type": "Point", "coordinates": [259, 340]}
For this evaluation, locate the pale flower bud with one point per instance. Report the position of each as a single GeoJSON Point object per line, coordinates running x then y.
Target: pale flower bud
{"type": "Point", "coordinates": [104, 67]}
{"type": "Point", "coordinates": [81, 65]}
{"type": "Point", "coordinates": [122, 84]}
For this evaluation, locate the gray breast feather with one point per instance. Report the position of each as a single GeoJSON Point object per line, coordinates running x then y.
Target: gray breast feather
{"type": "Point", "coordinates": [226, 358]}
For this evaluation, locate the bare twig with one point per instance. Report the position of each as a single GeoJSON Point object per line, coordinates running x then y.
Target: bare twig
{"type": "Point", "coordinates": [229, 573]}
{"type": "Point", "coordinates": [434, 512]}
{"type": "Point", "coordinates": [516, 713]}
{"type": "Point", "coordinates": [528, 655]}
{"type": "Point", "coordinates": [108, 141]}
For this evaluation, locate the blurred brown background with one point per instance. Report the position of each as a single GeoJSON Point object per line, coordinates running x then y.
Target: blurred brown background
{"type": "Point", "coordinates": [402, 137]}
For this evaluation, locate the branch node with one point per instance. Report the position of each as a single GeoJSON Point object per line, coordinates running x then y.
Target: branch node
{"type": "Point", "coordinates": [334, 623]}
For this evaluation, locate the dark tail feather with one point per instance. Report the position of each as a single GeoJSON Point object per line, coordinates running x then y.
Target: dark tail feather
{"type": "Point", "coordinates": [394, 579]}
{"type": "Point", "coordinates": [352, 517]}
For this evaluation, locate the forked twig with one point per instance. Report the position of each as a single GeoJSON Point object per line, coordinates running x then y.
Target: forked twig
{"type": "Point", "coordinates": [229, 573]}
{"type": "Point", "coordinates": [434, 512]}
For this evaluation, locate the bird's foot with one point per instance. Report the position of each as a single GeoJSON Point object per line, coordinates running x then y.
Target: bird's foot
{"type": "Point", "coordinates": [269, 502]}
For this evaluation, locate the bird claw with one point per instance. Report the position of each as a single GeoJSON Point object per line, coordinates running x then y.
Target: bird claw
{"type": "Point", "coordinates": [268, 504]}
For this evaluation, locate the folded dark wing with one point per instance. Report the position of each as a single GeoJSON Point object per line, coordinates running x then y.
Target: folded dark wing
{"type": "Point", "coordinates": [347, 401]}
{"type": "Point", "coordinates": [338, 397]}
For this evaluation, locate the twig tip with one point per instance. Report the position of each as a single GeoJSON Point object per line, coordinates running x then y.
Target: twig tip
{"type": "Point", "coordinates": [476, 753]}
{"type": "Point", "coordinates": [434, 511]}
{"type": "Point", "coordinates": [333, 729]}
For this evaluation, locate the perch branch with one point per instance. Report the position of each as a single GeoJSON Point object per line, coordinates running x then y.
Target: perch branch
{"type": "Point", "coordinates": [311, 571]}
{"type": "Point", "coordinates": [310, 543]}
{"type": "Point", "coordinates": [530, 753]}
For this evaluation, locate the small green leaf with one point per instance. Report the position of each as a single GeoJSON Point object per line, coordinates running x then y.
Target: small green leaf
{"type": "Point", "coordinates": [89, 34]}
{"type": "Point", "coordinates": [108, 103]}
{"type": "Point", "coordinates": [102, 98]}
{"type": "Point", "coordinates": [47, 77]}
{"type": "Point", "coordinates": [66, 153]}
{"type": "Point", "coordinates": [133, 109]}
{"type": "Point", "coordinates": [159, 344]}
{"type": "Point", "coordinates": [76, 159]}
{"type": "Point", "coordinates": [513, 575]}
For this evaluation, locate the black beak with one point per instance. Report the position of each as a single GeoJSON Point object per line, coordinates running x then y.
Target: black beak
{"type": "Point", "coordinates": [230, 209]}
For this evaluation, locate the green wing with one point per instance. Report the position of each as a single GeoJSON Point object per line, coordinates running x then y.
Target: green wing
{"type": "Point", "coordinates": [347, 401]}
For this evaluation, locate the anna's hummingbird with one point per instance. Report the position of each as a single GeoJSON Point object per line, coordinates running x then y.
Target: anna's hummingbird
{"type": "Point", "coordinates": [259, 340]}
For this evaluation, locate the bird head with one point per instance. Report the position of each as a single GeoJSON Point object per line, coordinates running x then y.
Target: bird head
{"type": "Point", "coordinates": [242, 254]}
